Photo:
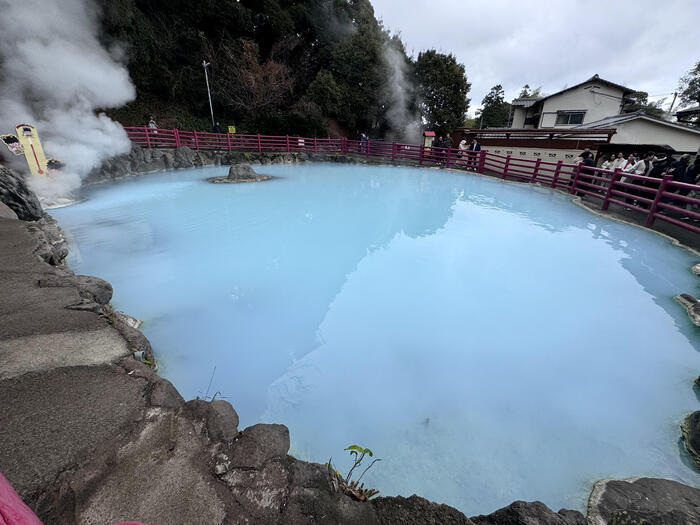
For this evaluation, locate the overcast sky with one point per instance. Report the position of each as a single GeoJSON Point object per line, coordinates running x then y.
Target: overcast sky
{"type": "Point", "coordinates": [646, 45]}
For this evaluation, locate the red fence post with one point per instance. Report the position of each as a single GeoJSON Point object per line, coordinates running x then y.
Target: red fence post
{"type": "Point", "coordinates": [287, 139]}
{"type": "Point", "coordinates": [344, 146]}
{"type": "Point", "coordinates": [196, 140]}
{"type": "Point", "coordinates": [611, 187]}
{"type": "Point", "coordinates": [315, 145]}
{"type": "Point", "coordinates": [447, 161]}
{"type": "Point", "coordinates": [505, 168]}
{"type": "Point", "coordinates": [557, 172]}
{"type": "Point", "coordinates": [576, 177]}
{"type": "Point", "coordinates": [537, 167]}
{"type": "Point", "coordinates": [259, 146]}
{"type": "Point", "coordinates": [393, 151]}
{"type": "Point", "coordinates": [655, 205]}
{"type": "Point", "coordinates": [228, 141]}
{"type": "Point", "coordinates": [367, 150]}
{"type": "Point", "coordinates": [482, 161]}
{"type": "Point", "coordinates": [422, 152]}
{"type": "Point", "coordinates": [176, 134]}
{"type": "Point", "coordinates": [148, 139]}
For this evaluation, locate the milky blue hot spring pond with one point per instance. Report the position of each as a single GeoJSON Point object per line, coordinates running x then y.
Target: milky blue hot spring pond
{"type": "Point", "coordinates": [489, 341]}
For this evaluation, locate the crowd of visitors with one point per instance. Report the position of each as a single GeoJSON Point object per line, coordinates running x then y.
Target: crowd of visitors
{"type": "Point", "coordinates": [653, 166]}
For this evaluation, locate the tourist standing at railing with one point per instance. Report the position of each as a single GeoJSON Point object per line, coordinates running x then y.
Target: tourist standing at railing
{"type": "Point", "coordinates": [474, 147]}
{"type": "Point", "coordinates": [608, 164]}
{"type": "Point", "coordinates": [435, 146]}
{"type": "Point", "coordinates": [463, 147]}
{"type": "Point", "coordinates": [152, 124]}
{"type": "Point", "coordinates": [692, 174]}
{"type": "Point", "coordinates": [217, 128]}
{"type": "Point", "coordinates": [627, 165]}
{"type": "Point", "coordinates": [587, 158]}
{"type": "Point", "coordinates": [448, 141]}
{"type": "Point", "coordinates": [619, 162]}
{"type": "Point", "coordinates": [680, 170]}
{"type": "Point", "coordinates": [364, 143]}
{"type": "Point", "coordinates": [642, 168]}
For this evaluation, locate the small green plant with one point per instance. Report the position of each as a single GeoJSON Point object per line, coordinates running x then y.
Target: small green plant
{"type": "Point", "coordinates": [353, 487]}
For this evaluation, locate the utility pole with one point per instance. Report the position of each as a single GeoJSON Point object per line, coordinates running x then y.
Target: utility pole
{"type": "Point", "coordinates": [206, 64]}
{"type": "Point", "coordinates": [675, 94]}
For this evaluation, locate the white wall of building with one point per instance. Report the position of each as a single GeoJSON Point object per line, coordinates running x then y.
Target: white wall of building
{"type": "Point", "coordinates": [550, 155]}
{"type": "Point", "coordinates": [640, 131]}
{"type": "Point", "coordinates": [518, 117]}
{"type": "Point", "coordinates": [605, 102]}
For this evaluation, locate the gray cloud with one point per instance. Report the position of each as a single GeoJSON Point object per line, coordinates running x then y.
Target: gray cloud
{"type": "Point", "coordinates": [643, 44]}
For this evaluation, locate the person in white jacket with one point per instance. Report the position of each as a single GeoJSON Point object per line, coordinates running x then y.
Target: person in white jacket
{"type": "Point", "coordinates": [641, 167]}
{"type": "Point", "coordinates": [608, 164]}
{"type": "Point", "coordinates": [619, 161]}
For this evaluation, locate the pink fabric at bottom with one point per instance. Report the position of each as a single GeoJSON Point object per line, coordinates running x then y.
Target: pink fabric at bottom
{"type": "Point", "coordinates": [13, 510]}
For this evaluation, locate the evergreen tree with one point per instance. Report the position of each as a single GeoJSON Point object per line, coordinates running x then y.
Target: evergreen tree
{"type": "Point", "coordinates": [690, 86]}
{"type": "Point", "coordinates": [277, 66]}
{"type": "Point", "coordinates": [639, 100]}
{"type": "Point", "coordinates": [527, 93]}
{"type": "Point", "coordinates": [442, 90]}
{"type": "Point", "coordinates": [494, 109]}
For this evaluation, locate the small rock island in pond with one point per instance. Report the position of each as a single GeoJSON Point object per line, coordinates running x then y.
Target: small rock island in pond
{"type": "Point", "coordinates": [240, 173]}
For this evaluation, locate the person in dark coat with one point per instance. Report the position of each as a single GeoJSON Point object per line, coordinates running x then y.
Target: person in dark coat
{"type": "Point", "coordinates": [473, 148]}
{"type": "Point", "coordinates": [693, 172]}
{"type": "Point", "coordinates": [679, 171]}
{"type": "Point", "coordinates": [217, 128]}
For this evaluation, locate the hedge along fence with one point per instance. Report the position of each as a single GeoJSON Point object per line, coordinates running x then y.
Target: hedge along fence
{"type": "Point", "coordinates": [653, 197]}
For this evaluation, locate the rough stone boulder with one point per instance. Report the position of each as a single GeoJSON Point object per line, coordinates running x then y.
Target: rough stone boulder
{"type": "Point", "coordinates": [530, 513]}
{"type": "Point", "coordinates": [690, 429]}
{"type": "Point", "coordinates": [15, 193]}
{"type": "Point", "coordinates": [649, 501]}
{"type": "Point", "coordinates": [94, 288]}
{"type": "Point", "coordinates": [240, 173]}
{"type": "Point", "coordinates": [219, 418]}
{"type": "Point", "coordinates": [416, 511]}
{"type": "Point", "coordinates": [51, 246]}
{"type": "Point", "coordinates": [258, 444]}
{"type": "Point", "coordinates": [696, 269]}
{"type": "Point", "coordinates": [692, 306]}
{"type": "Point", "coordinates": [184, 157]}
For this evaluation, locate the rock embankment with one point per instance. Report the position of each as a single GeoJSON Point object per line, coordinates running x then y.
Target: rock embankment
{"type": "Point", "coordinates": [88, 434]}
{"type": "Point", "coordinates": [142, 160]}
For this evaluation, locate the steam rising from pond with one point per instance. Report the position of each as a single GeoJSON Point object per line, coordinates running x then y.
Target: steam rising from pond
{"type": "Point", "coordinates": [405, 123]}
{"type": "Point", "coordinates": [55, 74]}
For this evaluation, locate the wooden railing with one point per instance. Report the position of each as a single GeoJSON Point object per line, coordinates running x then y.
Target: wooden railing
{"type": "Point", "coordinates": [663, 199]}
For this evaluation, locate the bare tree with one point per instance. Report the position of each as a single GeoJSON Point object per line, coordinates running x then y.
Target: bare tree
{"type": "Point", "coordinates": [246, 85]}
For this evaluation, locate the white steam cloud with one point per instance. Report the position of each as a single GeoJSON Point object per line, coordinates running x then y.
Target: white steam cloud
{"type": "Point", "coordinates": [55, 74]}
{"type": "Point", "coordinates": [405, 123]}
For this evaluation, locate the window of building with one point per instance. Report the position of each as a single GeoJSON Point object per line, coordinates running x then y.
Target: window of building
{"type": "Point", "coordinates": [566, 118]}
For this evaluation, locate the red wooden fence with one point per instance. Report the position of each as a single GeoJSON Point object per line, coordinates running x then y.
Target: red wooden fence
{"type": "Point", "coordinates": [656, 198]}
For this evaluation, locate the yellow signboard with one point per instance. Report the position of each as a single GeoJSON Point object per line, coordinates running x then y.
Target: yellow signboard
{"type": "Point", "coordinates": [232, 129]}
{"type": "Point", "coordinates": [33, 152]}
